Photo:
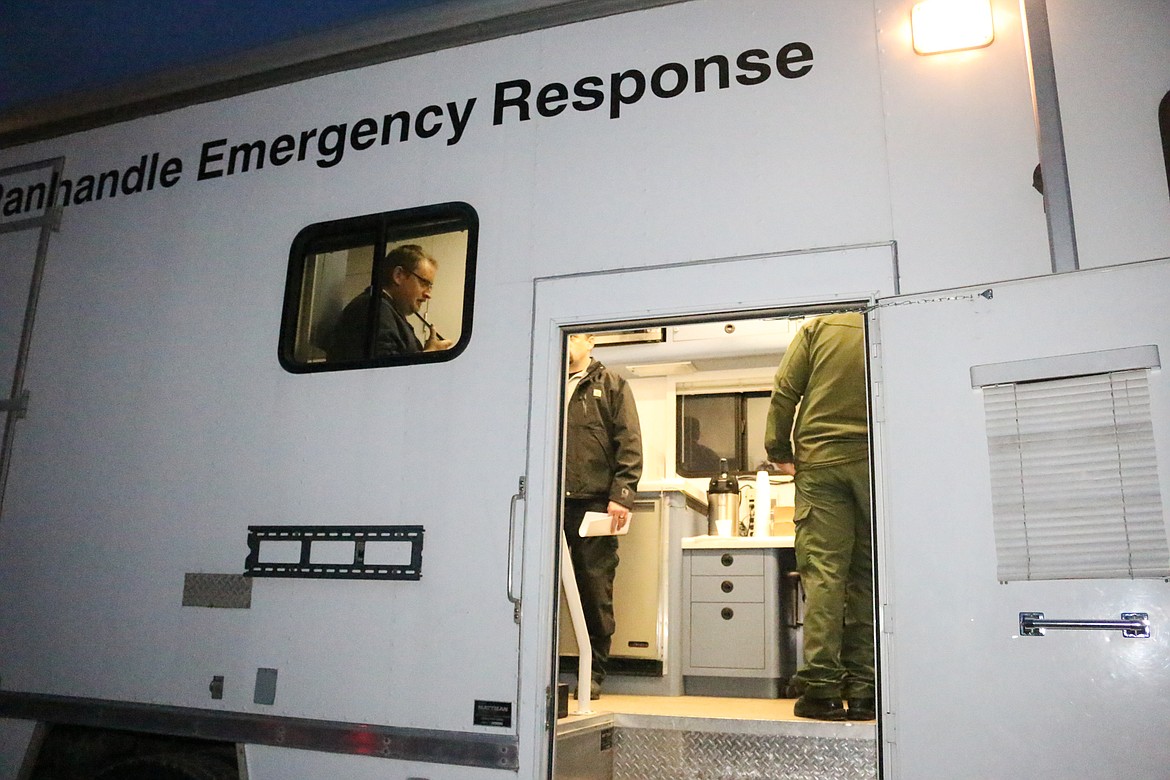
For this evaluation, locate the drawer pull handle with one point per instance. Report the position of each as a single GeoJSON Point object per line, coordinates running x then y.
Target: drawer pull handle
{"type": "Point", "coordinates": [727, 559]}
{"type": "Point", "coordinates": [728, 586]}
{"type": "Point", "coordinates": [728, 613]}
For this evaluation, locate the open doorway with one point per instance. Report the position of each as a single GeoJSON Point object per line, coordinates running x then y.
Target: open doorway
{"type": "Point", "coordinates": [708, 620]}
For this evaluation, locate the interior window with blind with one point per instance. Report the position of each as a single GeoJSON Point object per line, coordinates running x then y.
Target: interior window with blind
{"type": "Point", "coordinates": [385, 289]}
{"type": "Point", "coordinates": [1075, 487]}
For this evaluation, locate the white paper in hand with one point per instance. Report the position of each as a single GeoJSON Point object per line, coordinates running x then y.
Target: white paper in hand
{"type": "Point", "coordinates": [598, 524]}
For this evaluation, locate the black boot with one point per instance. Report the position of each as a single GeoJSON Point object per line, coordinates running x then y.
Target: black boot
{"type": "Point", "coordinates": [818, 709]}
{"type": "Point", "coordinates": [862, 709]}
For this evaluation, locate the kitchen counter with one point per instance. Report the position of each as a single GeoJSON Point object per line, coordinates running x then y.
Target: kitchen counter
{"type": "Point", "coordinates": [736, 542]}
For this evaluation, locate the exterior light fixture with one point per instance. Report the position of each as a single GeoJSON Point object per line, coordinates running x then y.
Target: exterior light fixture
{"type": "Point", "coordinates": [939, 26]}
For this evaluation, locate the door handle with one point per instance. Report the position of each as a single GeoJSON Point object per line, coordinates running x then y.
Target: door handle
{"type": "Point", "coordinates": [513, 593]}
{"type": "Point", "coordinates": [1135, 625]}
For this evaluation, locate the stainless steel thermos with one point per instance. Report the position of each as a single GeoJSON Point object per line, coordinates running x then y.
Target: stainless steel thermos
{"type": "Point", "coordinates": [723, 503]}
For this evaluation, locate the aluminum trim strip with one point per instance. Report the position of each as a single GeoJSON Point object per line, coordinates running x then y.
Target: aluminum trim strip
{"type": "Point", "coordinates": [403, 744]}
{"type": "Point", "coordinates": [1061, 366]}
{"type": "Point", "coordinates": [1058, 209]}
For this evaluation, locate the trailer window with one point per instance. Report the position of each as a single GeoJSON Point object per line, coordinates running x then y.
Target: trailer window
{"type": "Point", "coordinates": [1164, 127]}
{"type": "Point", "coordinates": [715, 426]}
{"type": "Point", "coordinates": [385, 289]}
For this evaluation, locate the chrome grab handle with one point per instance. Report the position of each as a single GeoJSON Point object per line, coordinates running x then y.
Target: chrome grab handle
{"type": "Point", "coordinates": [1135, 625]}
{"type": "Point", "coordinates": [513, 594]}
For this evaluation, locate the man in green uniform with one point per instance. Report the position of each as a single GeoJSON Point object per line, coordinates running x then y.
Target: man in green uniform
{"type": "Point", "coordinates": [824, 444]}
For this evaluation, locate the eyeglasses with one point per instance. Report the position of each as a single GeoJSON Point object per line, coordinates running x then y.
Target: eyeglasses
{"type": "Point", "coordinates": [427, 284]}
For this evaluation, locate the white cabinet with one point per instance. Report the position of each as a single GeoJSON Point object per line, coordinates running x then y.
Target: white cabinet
{"type": "Point", "coordinates": [739, 636]}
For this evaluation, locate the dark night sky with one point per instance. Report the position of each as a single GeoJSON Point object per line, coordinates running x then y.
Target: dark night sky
{"type": "Point", "coordinates": [50, 48]}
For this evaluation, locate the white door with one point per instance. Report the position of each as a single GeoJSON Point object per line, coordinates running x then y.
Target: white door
{"type": "Point", "coordinates": [748, 284]}
{"type": "Point", "coordinates": [967, 693]}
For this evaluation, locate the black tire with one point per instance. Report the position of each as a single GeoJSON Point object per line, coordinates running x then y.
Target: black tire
{"type": "Point", "coordinates": [177, 766]}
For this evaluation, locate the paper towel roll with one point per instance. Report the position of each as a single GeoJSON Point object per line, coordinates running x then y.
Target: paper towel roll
{"type": "Point", "coordinates": [763, 524]}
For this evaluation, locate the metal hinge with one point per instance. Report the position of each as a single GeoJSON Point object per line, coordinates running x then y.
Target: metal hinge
{"type": "Point", "coordinates": [17, 406]}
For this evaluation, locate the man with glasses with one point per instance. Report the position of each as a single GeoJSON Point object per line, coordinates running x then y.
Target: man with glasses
{"type": "Point", "coordinates": [408, 276]}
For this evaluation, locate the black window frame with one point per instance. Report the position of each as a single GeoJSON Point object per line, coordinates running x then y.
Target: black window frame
{"type": "Point", "coordinates": [377, 230]}
{"type": "Point", "coordinates": [1164, 131]}
{"type": "Point", "coordinates": [740, 464]}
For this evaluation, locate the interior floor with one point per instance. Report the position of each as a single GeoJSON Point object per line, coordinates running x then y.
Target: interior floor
{"type": "Point", "coordinates": [714, 712]}
{"type": "Point", "coordinates": [693, 707]}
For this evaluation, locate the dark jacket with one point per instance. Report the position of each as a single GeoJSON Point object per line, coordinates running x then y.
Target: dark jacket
{"type": "Point", "coordinates": [603, 449]}
{"type": "Point", "coordinates": [395, 336]}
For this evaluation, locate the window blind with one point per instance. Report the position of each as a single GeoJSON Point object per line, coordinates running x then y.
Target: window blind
{"type": "Point", "coordinates": [1075, 490]}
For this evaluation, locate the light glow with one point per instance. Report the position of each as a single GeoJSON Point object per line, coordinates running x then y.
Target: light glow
{"type": "Point", "coordinates": [939, 26]}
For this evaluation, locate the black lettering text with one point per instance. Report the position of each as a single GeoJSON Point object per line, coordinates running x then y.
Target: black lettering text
{"type": "Point", "coordinates": [701, 72]}
{"type": "Point", "coordinates": [107, 182]}
{"type": "Point", "coordinates": [403, 120]}
{"type": "Point", "coordinates": [64, 192]}
{"type": "Point", "coordinates": [331, 145]}
{"type": "Point", "coordinates": [747, 62]}
{"type": "Point", "coordinates": [424, 130]}
{"type": "Point", "coordinates": [171, 172]}
{"type": "Point", "coordinates": [364, 134]}
{"type": "Point", "coordinates": [281, 150]}
{"type": "Point", "coordinates": [13, 202]}
{"type": "Point", "coordinates": [36, 191]}
{"type": "Point", "coordinates": [550, 101]}
{"type": "Point", "coordinates": [303, 149]}
{"type": "Point", "coordinates": [618, 97]}
{"type": "Point", "coordinates": [589, 90]}
{"type": "Point", "coordinates": [84, 190]}
{"type": "Point", "coordinates": [681, 77]}
{"type": "Point", "coordinates": [242, 154]}
{"type": "Point", "coordinates": [459, 122]}
{"type": "Point", "coordinates": [207, 158]}
{"type": "Point", "coordinates": [519, 101]}
{"type": "Point", "coordinates": [793, 54]}
{"type": "Point", "coordinates": [135, 177]}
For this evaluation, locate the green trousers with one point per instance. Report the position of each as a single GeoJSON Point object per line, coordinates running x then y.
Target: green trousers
{"type": "Point", "coordinates": [834, 555]}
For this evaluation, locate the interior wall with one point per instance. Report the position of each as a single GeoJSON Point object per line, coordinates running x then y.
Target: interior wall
{"type": "Point", "coordinates": [655, 399]}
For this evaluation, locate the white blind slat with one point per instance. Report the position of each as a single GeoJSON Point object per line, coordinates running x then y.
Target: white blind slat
{"type": "Point", "coordinates": [1075, 489]}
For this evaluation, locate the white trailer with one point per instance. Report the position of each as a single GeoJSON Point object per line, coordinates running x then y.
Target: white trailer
{"type": "Point", "coordinates": [217, 537]}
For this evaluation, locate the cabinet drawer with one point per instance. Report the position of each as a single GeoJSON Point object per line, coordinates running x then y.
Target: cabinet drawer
{"type": "Point", "coordinates": [731, 588]}
{"type": "Point", "coordinates": [724, 562]}
{"type": "Point", "coordinates": [727, 636]}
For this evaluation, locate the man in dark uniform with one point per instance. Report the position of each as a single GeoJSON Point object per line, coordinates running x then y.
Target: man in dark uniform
{"type": "Point", "coordinates": [603, 461]}
{"type": "Point", "coordinates": [408, 275]}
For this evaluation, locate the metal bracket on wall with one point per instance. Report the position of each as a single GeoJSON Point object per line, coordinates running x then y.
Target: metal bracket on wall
{"type": "Point", "coordinates": [377, 551]}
